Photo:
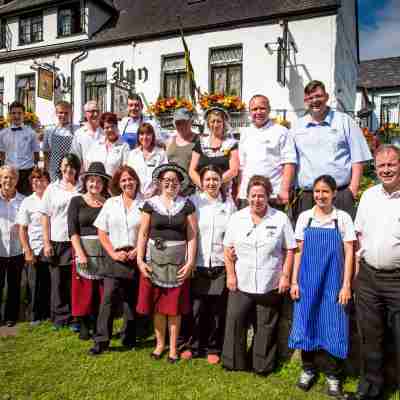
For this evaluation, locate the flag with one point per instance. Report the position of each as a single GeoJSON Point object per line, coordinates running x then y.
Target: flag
{"type": "Point", "coordinates": [189, 70]}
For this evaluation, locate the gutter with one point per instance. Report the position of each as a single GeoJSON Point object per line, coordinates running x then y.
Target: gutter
{"type": "Point", "coordinates": [80, 57]}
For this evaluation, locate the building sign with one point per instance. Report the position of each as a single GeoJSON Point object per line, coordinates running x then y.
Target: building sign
{"type": "Point", "coordinates": [45, 84]}
{"type": "Point", "coordinates": [119, 100]}
{"type": "Point", "coordinates": [127, 78]}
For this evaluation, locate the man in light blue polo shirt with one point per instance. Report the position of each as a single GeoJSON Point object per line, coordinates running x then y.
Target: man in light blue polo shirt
{"type": "Point", "coordinates": [327, 142]}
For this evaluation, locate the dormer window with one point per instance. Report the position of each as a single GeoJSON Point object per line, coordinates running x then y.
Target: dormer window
{"type": "Point", "coordinates": [70, 20]}
{"type": "Point", "coordinates": [31, 29]}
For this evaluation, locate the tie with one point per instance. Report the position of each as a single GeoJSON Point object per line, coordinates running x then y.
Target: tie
{"type": "Point", "coordinates": [16, 129]}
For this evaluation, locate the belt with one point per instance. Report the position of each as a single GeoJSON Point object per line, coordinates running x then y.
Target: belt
{"type": "Point", "coordinates": [380, 271]}
{"type": "Point", "coordinates": [340, 188]}
{"type": "Point", "coordinates": [161, 243]}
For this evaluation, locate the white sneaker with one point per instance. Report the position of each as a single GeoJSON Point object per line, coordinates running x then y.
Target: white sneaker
{"type": "Point", "coordinates": [306, 380]}
{"type": "Point", "coordinates": [334, 386]}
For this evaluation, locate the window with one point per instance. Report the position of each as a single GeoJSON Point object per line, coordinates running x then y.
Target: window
{"type": "Point", "coordinates": [390, 110]}
{"type": "Point", "coordinates": [31, 29]}
{"type": "Point", "coordinates": [226, 70]}
{"type": "Point", "coordinates": [174, 79]}
{"type": "Point", "coordinates": [70, 20]}
{"type": "Point", "coordinates": [3, 30]}
{"type": "Point", "coordinates": [1, 96]}
{"type": "Point", "coordinates": [26, 91]}
{"type": "Point", "coordinates": [95, 88]}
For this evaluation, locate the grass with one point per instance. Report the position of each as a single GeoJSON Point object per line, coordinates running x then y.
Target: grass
{"type": "Point", "coordinates": [41, 364]}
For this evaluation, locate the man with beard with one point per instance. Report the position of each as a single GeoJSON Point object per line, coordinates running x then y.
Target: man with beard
{"type": "Point", "coordinates": [327, 142]}
{"type": "Point", "coordinates": [378, 280]}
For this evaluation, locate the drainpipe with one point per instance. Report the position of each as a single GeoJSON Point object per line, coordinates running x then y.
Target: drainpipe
{"type": "Point", "coordinates": [75, 61]}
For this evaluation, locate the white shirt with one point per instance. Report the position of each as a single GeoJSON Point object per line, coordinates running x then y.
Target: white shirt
{"type": "Point", "coordinates": [83, 140]}
{"type": "Point", "coordinates": [10, 245]}
{"type": "Point", "coordinates": [112, 155]}
{"type": "Point", "coordinates": [344, 221]}
{"type": "Point", "coordinates": [55, 203]}
{"type": "Point", "coordinates": [29, 215]}
{"type": "Point", "coordinates": [212, 218]}
{"type": "Point", "coordinates": [259, 248]}
{"type": "Point", "coordinates": [19, 146]}
{"type": "Point", "coordinates": [264, 151]}
{"type": "Point", "coordinates": [378, 222]}
{"type": "Point", "coordinates": [144, 168]}
{"type": "Point", "coordinates": [121, 224]}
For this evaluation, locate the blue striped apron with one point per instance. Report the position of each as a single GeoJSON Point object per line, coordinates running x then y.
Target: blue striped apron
{"type": "Point", "coordinates": [319, 321]}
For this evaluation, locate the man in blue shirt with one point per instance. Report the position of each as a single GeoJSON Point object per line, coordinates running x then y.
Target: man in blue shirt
{"type": "Point", "coordinates": [327, 142]}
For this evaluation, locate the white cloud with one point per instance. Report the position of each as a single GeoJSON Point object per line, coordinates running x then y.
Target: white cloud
{"type": "Point", "coordinates": [382, 40]}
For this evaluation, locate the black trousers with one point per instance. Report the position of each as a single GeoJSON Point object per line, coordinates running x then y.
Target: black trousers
{"type": "Point", "coordinates": [264, 347]}
{"type": "Point", "coordinates": [11, 269]}
{"type": "Point", "coordinates": [117, 292]}
{"type": "Point", "coordinates": [330, 365]}
{"type": "Point", "coordinates": [378, 309]}
{"type": "Point", "coordinates": [23, 185]}
{"type": "Point", "coordinates": [344, 201]}
{"type": "Point", "coordinates": [61, 276]}
{"type": "Point", "coordinates": [39, 290]}
{"type": "Point", "coordinates": [208, 324]}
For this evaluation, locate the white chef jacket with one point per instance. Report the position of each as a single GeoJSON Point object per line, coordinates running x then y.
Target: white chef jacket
{"type": "Point", "coordinates": [259, 248]}
{"type": "Point", "coordinates": [212, 218]}
{"type": "Point", "coordinates": [83, 141]}
{"type": "Point", "coordinates": [121, 224]}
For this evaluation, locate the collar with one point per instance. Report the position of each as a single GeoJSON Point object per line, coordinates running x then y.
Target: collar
{"type": "Point", "coordinates": [204, 196]}
{"type": "Point", "coordinates": [12, 126]}
{"type": "Point", "coordinates": [16, 197]}
{"type": "Point", "coordinates": [332, 216]}
{"type": "Point", "coordinates": [103, 140]}
{"type": "Point", "coordinates": [394, 195]}
{"type": "Point", "coordinates": [327, 121]}
{"type": "Point", "coordinates": [159, 206]}
{"type": "Point", "coordinates": [98, 131]}
{"type": "Point", "coordinates": [267, 125]}
{"type": "Point", "coordinates": [247, 214]}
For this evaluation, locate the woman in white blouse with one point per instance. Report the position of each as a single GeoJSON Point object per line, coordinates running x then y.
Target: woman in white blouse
{"type": "Point", "coordinates": [145, 158]}
{"type": "Point", "coordinates": [208, 285]}
{"type": "Point", "coordinates": [110, 149]}
{"type": "Point", "coordinates": [264, 243]}
{"type": "Point", "coordinates": [117, 228]}
{"type": "Point", "coordinates": [56, 243]}
{"type": "Point", "coordinates": [11, 255]}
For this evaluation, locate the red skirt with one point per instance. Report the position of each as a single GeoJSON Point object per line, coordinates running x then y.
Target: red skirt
{"type": "Point", "coordinates": [87, 294]}
{"type": "Point", "coordinates": [167, 301]}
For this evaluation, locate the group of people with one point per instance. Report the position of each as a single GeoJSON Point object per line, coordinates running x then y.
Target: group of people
{"type": "Point", "coordinates": [193, 231]}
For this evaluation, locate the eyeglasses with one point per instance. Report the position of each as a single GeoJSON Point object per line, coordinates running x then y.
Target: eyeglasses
{"type": "Point", "coordinates": [312, 98]}
{"type": "Point", "coordinates": [172, 181]}
{"type": "Point", "coordinates": [92, 111]}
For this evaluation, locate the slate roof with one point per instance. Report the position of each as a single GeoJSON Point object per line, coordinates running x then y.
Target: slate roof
{"type": "Point", "coordinates": [380, 73]}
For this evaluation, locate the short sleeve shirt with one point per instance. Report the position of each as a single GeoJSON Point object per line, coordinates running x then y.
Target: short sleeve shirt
{"type": "Point", "coordinates": [83, 141]}
{"type": "Point", "coordinates": [344, 222]}
{"type": "Point", "coordinates": [259, 248]}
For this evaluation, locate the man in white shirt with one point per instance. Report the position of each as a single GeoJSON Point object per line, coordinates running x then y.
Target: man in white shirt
{"type": "Point", "coordinates": [58, 139]}
{"type": "Point", "coordinates": [129, 125]}
{"type": "Point", "coordinates": [19, 147]}
{"type": "Point", "coordinates": [266, 149]}
{"type": "Point", "coordinates": [378, 281]}
{"type": "Point", "coordinates": [89, 133]}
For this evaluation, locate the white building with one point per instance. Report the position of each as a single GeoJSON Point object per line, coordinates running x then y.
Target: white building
{"type": "Point", "coordinates": [379, 92]}
{"type": "Point", "coordinates": [84, 39]}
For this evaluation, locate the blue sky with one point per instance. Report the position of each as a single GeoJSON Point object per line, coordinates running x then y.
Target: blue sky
{"type": "Point", "coordinates": [379, 24]}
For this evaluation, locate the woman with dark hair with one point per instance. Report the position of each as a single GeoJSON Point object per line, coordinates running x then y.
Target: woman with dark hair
{"type": "Point", "coordinates": [208, 284]}
{"type": "Point", "coordinates": [168, 234]}
{"type": "Point", "coordinates": [146, 157]}
{"type": "Point", "coordinates": [56, 243]}
{"type": "Point", "coordinates": [117, 227]}
{"type": "Point", "coordinates": [110, 149]}
{"type": "Point", "coordinates": [263, 240]}
{"type": "Point", "coordinates": [31, 237]}
{"type": "Point", "coordinates": [216, 148]}
{"type": "Point", "coordinates": [87, 286]}
{"type": "Point", "coordinates": [321, 285]}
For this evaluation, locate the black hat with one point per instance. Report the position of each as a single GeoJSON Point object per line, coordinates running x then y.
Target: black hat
{"type": "Point", "coordinates": [96, 168]}
{"type": "Point", "coordinates": [181, 172]}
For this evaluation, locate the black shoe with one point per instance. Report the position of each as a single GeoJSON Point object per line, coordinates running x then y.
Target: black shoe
{"type": "Point", "coordinates": [98, 348]}
{"type": "Point", "coordinates": [84, 333]}
{"type": "Point", "coordinates": [155, 356]}
{"type": "Point", "coordinates": [10, 324]}
{"type": "Point", "coordinates": [173, 360]}
{"type": "Point", "coordinates": [363, 396]}
{"type": "Point", "coordinates": [129, 345]}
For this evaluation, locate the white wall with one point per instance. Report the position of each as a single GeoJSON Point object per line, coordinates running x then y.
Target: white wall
{"type": "Point", "coordinates": [315, 40]}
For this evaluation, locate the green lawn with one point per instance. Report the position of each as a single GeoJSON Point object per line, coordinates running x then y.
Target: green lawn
{"type": "Point", "coordinates": [41, 364]}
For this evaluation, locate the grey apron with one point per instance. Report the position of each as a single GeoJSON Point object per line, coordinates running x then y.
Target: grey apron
{"type": "Point", "coordinates": [96, 258]}
{"type": "Point", "coordinates": [166, 257]}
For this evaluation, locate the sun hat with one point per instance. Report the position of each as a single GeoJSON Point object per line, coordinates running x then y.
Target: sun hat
{"type": "Point", "coordinates": [181, 172]}
{"type": "Point", "coordinates": [96, 168]}
{"type": "Point", "coordinates": [182, 114]}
